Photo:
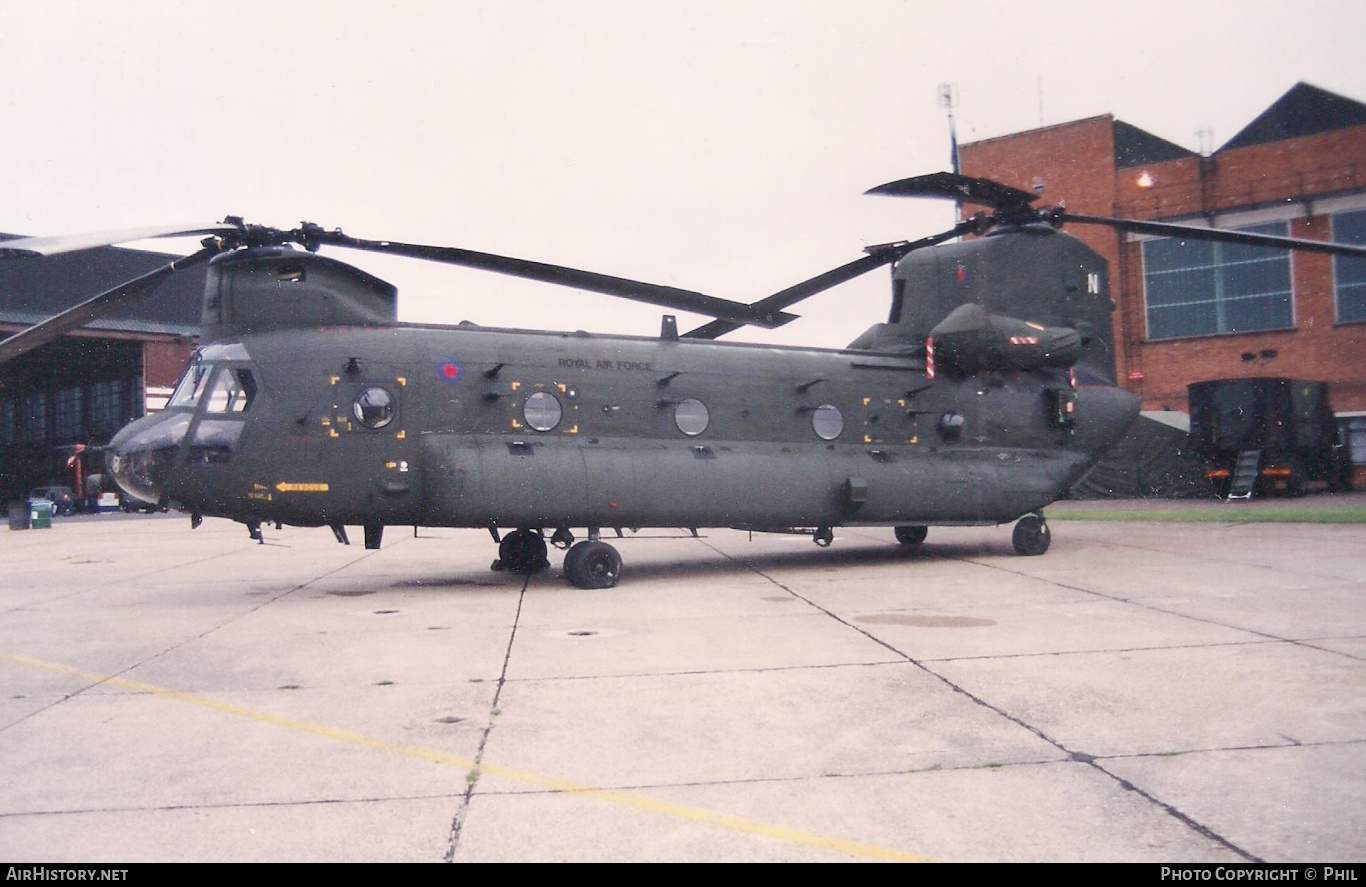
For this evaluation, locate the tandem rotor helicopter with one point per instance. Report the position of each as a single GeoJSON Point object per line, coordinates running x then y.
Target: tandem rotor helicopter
{"type": "Point", "coordinates": [987, 393]}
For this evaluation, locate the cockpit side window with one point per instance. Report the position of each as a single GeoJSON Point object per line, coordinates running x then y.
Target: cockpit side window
{"type": "Point", "coordinates": [225, 405]}
{"type": "Point", "coordinates": [232, 392]}
{"type": "Point", "coordinates": [191, 386]}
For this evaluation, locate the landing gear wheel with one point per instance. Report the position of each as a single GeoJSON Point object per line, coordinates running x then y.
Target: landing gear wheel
{"type": "Point", "coordinates": [592, 564]}
{"type": "Point", "coordinates": [911, 535]}
{"type": "Point", "coordinates": [571, 560]}
{"type": "Point", "coordinates": [522, 551]}
{"type": "Point", "coordinates": [1031, 536]}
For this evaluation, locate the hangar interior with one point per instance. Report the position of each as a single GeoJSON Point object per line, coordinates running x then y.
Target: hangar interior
{"type": "Point", "coordinates": [77, 391]}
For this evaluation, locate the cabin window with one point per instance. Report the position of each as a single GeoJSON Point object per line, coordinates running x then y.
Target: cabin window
{"type": "Point", "coordinates": [374, 407]}
{"type": "Point", "coordinates": [951, 427]}
{"type": "Point", "coordinates": [827, 421]}
{"type": "Point", "coordinates": [691, 417]}
{"type": "Point", "coordinates": [1199, 288]}
{"type": "Point", "coordinates": [1349, 274]}
{"type": "Point", "coordinates": [542, 411]}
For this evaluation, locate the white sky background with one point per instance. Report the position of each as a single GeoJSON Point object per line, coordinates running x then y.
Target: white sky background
{"type": "Point", "coordinates": [716, 146]}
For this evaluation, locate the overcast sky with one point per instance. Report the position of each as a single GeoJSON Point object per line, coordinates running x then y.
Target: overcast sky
{"type": "Point", "coordinates": [717, 146]}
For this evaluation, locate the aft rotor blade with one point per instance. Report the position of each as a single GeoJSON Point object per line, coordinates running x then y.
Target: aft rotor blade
{"type": "Point", "coordinates": [952, 186]}
{"type": "Point", "coordinates": [100, 306]}
{"type": "Point", "coordinates": [639, 291]}
{"type": "Point", "coordinates": [878, 256]}
{"type": "Point", "coordinates": [1192, 232]}
{"type": "Point", "coordinates": [66, 243]}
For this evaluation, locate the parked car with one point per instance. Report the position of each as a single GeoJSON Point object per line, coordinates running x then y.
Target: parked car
{"type": "Point", "coordinates": [131, 504]}
{"type": "Point", "coordinates": [63, 502]}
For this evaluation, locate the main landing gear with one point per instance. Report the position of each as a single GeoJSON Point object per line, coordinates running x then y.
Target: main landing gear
{"type": "Point", "coordinates": [1031, 536]}
{"type": "Point", "coordinates": [592, 564]}
{"type": "Point", "coordinates": [588, 564]}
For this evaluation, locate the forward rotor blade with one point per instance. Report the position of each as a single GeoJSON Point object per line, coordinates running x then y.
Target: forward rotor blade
{"type": "Point", "coordinates": [878, 256]}
{"type": "Point", "coordinates": [66, 243]}
{"type": "Point", "coordinates": [952, 186]}
{"type": "Point", "coordinates": [92, 309]}
{"type": "Point", "coordinates": [1192, 232]}
{"type": "Point", "coordinates": [639, 291]}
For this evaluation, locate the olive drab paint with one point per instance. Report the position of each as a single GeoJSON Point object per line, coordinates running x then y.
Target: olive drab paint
{"type": "Point", "coordinates": [986, 394]}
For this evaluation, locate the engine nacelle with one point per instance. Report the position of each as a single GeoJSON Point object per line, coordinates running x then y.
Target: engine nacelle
{"type": "Point", "coordinates": [970, 340]}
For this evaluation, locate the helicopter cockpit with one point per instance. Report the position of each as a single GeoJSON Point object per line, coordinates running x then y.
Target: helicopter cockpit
{"type": "Point", "coordinates": [213, 395]}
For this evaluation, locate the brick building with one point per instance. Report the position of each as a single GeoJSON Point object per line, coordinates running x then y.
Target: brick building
{"type": "Point", "coordinates": [83, 387]}
{"type": "Point", "coordinates": [1190, 311]}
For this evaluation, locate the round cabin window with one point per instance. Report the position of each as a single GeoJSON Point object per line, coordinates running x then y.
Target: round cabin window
{"type": "Point", "coordinates": [374, 408]}
{"type": "Point", "coordinates": [827, 421]}
{"type": "Point", "coordinates": [691, 417]}
{"type": "Point", "coordinates": [951, 427]}
{"type": "Point", "coordinates": [542, 411]}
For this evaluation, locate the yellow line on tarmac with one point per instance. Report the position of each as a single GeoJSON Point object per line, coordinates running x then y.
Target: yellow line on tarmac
{"type": "Point", "coordinates": [639, 802]}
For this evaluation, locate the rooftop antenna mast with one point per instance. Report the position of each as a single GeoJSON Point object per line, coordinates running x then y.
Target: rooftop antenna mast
{"type": "Point", "coordinates": [948, 100]}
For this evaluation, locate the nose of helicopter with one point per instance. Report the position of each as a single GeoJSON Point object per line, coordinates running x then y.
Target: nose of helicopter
{"type": "Point", "coordinates": [140, 457]}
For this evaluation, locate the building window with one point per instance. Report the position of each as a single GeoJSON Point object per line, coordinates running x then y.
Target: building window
{"type": "Point", "coordinates": [6, 422]}
{"type": "Point", "coordinates": [1198, 288]}
{"type": "Point", "coordinates": [106, 404]}
{"type": "Point", "coordinates": [33, 417]}
{"type": "Point", "coordinates": [67, 421]}
{"type": "Point", "coordinates": [1349, 275]}
{"type": "Point", "coordinates": [1352, 433]}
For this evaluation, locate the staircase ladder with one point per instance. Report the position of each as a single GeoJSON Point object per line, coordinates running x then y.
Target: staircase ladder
{"type": "Point", "coordinates": [1245, 474]}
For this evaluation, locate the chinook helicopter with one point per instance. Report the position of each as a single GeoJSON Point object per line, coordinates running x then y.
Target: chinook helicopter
{"type": "Point", "coordinates": [987, 393]}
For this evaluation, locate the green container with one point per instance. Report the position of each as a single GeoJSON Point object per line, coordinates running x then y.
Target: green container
{"type": "Point", "coordinates": [40, 514]}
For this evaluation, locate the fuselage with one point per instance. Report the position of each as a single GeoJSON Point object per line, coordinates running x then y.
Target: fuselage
{"type": "Point", "coordinates": [476, 427]}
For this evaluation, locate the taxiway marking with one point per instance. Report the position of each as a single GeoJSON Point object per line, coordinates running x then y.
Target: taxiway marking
{"type": "Point", "coordinates": [624, 799]}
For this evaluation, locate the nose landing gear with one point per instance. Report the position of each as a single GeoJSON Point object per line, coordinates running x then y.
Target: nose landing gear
{"type": "Point", "coordinates": [911, 534]}
{"type": "Point", "coordinates": [522, 551]}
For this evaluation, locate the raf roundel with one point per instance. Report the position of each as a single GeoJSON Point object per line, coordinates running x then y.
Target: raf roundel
{"type": "Point", "coordinates": [449, 371]}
